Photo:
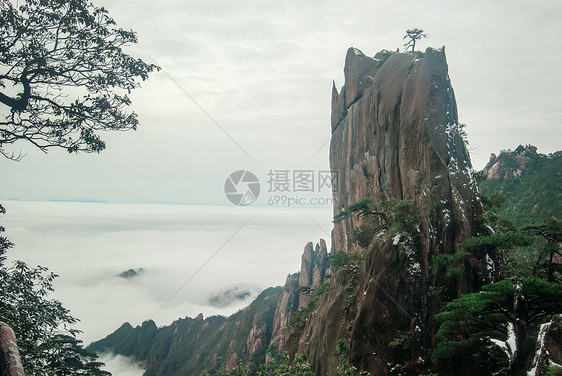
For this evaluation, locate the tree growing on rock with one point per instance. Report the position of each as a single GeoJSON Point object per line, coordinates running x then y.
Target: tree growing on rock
{"type": "Point", "coordinates": [64, 75]}
{"type": "Point", "coordinates": [412, 36]}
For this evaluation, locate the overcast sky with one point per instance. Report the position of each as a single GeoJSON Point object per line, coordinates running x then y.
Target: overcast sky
{"type": "Point", "coordinates": [263, 71]}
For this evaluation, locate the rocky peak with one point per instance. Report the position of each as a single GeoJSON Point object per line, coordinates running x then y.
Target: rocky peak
{"type": "Point", "coordinates": [358, 72]}
{"type": "Point", "coordinates": [298, 289]}
{"type": "Point", "coordinates": [314, 263]}
{"type": "Point", "coordinates": [510, 164]}
{"type": "Point", "coordinates": [400, 138]}
{"type": "Point", "coordinates": [395, 139]}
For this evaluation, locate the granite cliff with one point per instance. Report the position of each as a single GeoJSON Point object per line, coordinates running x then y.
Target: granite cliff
{"type": "Point", "coordinates": [396, 143]}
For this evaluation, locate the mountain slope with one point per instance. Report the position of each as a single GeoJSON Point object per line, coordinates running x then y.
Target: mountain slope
{"type": "Point", "coordinates": [189, 346]}
{"type": "Point", "coordinates": [530, 181]}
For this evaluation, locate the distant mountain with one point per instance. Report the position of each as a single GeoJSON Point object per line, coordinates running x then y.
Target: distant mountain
{"type": "Point", "coordinates": [189, 346]}
{"type": "Point", "coordinates": [530, 181]}
{"type": "Point", "coordinates": [131, 273]}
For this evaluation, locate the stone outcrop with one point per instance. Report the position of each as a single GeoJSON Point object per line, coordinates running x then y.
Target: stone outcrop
{"type": "Point", "coordinates": [298, 290]}
{"type": "Point", "coordinates": [395, 136]}
{"type": "Point", "coordinates": [286, 307]}
{"type": "Point", "coordinates": [10, 363]}
{"type": "Point", "coordinates": [314, 263]}
{"type": "Point", "coordinates": [510, 164]}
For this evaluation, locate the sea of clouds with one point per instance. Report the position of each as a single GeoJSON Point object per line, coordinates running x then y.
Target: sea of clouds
{"type": "Point", "coordinates": [189, 255]}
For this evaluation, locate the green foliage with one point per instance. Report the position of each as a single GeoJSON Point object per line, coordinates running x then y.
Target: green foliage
{"type": "Point", "coordinates": [384, 214]}
{"type": "Point", "coordinates": [350, 371]}
{"type": "Point", "coordinates": [239, 370]}
{"type": "Point", "coordinates": [66, 59]}
{"type": "Point", "coordinates": [506, 245]}
{"type": "Point", "coordinates": [493, 216]}
{"type": "Point", "coordinates": [527, 256]}
{"type": "Point", "coordinates": [534, 194]}
{"type": "Point", "coordinates": [68, 357]}
{"type": "Point", "coordinates": [42, 326]}
{"type": "Point", "coordinates": [283, 366]}
{"type": "Point", "coordinates": [339, 261]}
{"type": "Point", "coordinates": [344, 263]}
{"type": "Point", "coordinates": [494, 241]}
{"type": "Point", "coordinates": [301, 289]}
{"type": "Point", "coordinates": [548, 236]}
{"type": "Point", "coordinates": [364, 234]}
{"type": "Point", "coordinates": [280, 366]}
{"type": "Point", "coordinates": [342, 350]}
{"type": "Point", "coordinates": [346, 267]}
{"type": "Point", "coordinates": [361, 208]}
{"type": "Point", "coordinates": [382, 57]}
{"type": "Point", "coordinates": [302, 314]}
{"type": "Point", "coordinates": [342, 347]}
{"type": "Point", "coordinates": [5, 244]}
{"type": "Point", "coordinates": [468, 323]}
{"type": "Point", "coordinates": [400, 346]}
{"type": "Point", "coordinates": [554, 370]}
{"type": "Point", "coordinates": [402, 215]}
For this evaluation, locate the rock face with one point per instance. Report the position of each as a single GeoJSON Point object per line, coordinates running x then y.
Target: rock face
{"type": "Point", "coordinates": [131, 273]}
{"type": "Point", "coordinates": [510, 164]}
{"type": "Point", "coordinates": [400, 138]}
{"type": "Point", "coordinates": [298, 290]}
{"type": "Point", "coordinates": [395, 136]}
{"type": "Point", "coordinates": [314, 263]}
{"type": "Point", "coordinates": [10, 363]}
{"type": "Point", "coordinates": [288, 304]}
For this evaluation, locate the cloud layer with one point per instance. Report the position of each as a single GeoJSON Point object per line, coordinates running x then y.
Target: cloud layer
{"type": "Point", "coordinates": [90, 244]}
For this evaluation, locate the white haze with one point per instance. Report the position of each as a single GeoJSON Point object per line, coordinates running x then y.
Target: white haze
{"type": "Point", "coordinates": [120, 365]}
{"type": "Point", "coordinates": [89, 244]}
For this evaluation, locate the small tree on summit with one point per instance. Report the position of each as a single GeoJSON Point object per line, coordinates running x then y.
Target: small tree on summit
{"type": "Point", "coordinates": [413, 35]}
